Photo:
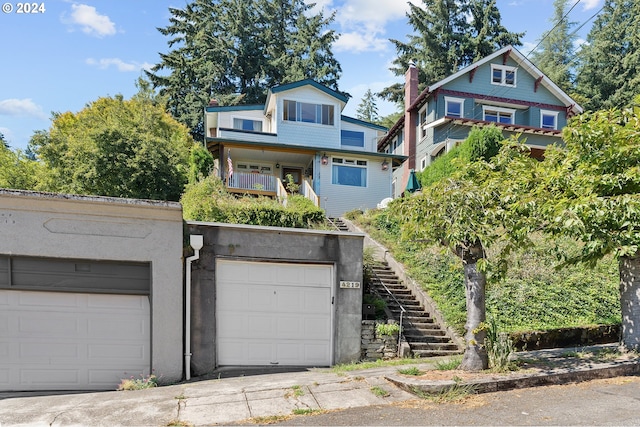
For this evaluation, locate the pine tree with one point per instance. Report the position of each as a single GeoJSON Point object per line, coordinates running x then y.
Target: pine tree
{"type": "Point", "coordinates": [609, 71]}
{"type": "Point", "coordinates": [448, 35]}
{"type": "Point", "coordinates": [234, 50]}
{"type": "Point", "coordinates": [555, 56]}
{"type": "Point", "coordinates": [367, 109]}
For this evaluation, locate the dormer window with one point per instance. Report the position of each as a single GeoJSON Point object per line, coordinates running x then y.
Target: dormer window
{"type": "Point", "coordinates": [503, 75]}
{"type": "Point", "coordinates": [295, 111]}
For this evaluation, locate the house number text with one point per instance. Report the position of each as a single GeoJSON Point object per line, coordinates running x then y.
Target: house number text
{"type": "Point", "coordinates": [349, 285]}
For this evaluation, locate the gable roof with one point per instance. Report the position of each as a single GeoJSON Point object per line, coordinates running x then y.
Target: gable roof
{"type": "Point", "coordinates": [309, 82]}
{"type": "Point", "coordinates": [521, 60]}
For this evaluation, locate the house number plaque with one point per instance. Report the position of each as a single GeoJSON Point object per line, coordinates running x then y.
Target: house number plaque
{"type": "Point", "coordinates": [349, 285]}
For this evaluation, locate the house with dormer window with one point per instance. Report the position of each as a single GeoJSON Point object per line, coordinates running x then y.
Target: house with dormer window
{"type": "Point", "coordinates": [504, 89]}
{"type": "Point", "coordinates": [299, 134]}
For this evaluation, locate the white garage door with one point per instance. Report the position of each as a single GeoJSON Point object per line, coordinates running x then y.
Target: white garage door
{"type": "Point", "coordinates": [80, 339]}
{"type": "Point", "coordinates": [273, 314]}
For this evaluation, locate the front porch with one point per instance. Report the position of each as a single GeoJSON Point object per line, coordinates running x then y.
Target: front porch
{"type": "Point", "coordinates": [267, 185]}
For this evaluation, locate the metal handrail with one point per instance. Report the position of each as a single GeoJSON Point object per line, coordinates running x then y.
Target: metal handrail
{"type": "Point", "coordinates": [402, 309]}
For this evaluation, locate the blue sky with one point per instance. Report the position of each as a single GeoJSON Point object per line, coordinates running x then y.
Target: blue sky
{"type": "Point", "coordinates": [77, 51]}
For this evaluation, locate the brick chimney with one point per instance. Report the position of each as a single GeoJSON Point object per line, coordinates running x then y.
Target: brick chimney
{"type": "Point", "coordinates": [410, 121]}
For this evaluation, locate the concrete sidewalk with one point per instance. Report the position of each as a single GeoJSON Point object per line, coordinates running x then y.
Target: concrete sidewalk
{"type": "Point", "coordinates": [232, 400]}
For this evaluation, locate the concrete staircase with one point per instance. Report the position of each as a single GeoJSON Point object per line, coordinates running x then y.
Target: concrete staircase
{"type": "Point", "coordinates": [338, 224]}
{"type": "Point", "coordinates": [425, 336]}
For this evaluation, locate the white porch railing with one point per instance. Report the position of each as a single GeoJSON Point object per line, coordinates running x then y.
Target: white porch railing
{"type": "Point", "coordinates": [253, 181]}
{"type": "Point", "coordinates": [308, 192]}
{"type": "Point", "coordinates": [281, 192]}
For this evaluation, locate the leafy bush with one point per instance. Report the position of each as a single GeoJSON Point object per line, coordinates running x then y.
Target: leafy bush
{"type": "Point", "coordinates": [389, 329]}
{"type": "Point", "coordinates": [482, 143]}
{"type": "Point", "coordinates": [208, 200]}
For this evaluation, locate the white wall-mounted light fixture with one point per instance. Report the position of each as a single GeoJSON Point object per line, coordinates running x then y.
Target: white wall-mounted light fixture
{"type": "Point", "coordinates": [385, 165]}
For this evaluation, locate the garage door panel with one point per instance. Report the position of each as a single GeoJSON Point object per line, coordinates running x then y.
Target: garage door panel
{"type": "Point", "coordinates": [132, 352]}
{"type": "Point", "coordinates": [281, 315]}
{"type": "Point", "coordinates": [258, 297]}
{"type": "Point", "coordinates": [45, 351]}
{"type": "Point", "coordinates": [317, 276]}
{"type": "Point", "coordinates": [317, 300]}
{"type": "Point", "coordinates": [316, 328]}
{"type": "Point", "coordinates": [48, 378]}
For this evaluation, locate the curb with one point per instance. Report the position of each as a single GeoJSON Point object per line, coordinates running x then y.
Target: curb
{"type": "Point", "coordinates": [496, 383]}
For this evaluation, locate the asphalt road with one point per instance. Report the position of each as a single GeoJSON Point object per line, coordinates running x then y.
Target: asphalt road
{"type": "Point", "coordinates": [613, 401]}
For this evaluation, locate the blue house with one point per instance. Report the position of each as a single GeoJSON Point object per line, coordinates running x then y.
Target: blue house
{"type": "Point", "coordinates": [300, 133]}
{"type": "Point", "coordinates": [504, 89]}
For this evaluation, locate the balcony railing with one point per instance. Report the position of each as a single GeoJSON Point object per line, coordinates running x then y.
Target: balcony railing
{"type": "Point", "coordinates": [252, 182]}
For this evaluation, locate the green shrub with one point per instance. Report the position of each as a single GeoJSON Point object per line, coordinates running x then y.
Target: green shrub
{"type": "Point", "coordinates": [389, 329]}
{"type": "Point", "coordinates": [208, 200]}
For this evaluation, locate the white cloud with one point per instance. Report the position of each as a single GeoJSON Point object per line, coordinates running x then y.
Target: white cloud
{"type": "Point", "coordinates": [21, 107]}
{"type": "Point", "coordinates": [120, 65]}
{"type": "Point", "coordinates": [590, 4]}
{"type": "Point", "coordinates": [90, 21]}
{"type": "Point", "coordinates": [362, 24]}
{"type": "Point", "coordinates": [359, 42]}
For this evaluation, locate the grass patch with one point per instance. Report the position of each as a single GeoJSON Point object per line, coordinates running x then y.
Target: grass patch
{"type": "Point", "coordinates": [379, 391]}
{"type": "Point", "coordinates": [454, 393]}
{"type": "Point", "coordinates": [178, 423]}
{"type": "Point", "coordinates": [410, 371]}
{"type": "Point", "coordinates": [448, 364]}
{"type": "Point", "coordinates": [348, 367]}
{"type": "Point", "coordinates": [141, 383]}
{"type": "Point", "coordinates": [296, 391]}
{"type": "Point", "coordinates": [272, 419]}
{"type": "Point", "coordinates": [598, 355]}
{"type": "Point", "coordinates": [306, 411]}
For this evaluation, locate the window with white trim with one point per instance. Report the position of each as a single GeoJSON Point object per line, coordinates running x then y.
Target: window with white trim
{"type": "Point", "coordinates": [351, 172]}
{"type": "Point", "coordinates": [498, 115]}
{"type": "Point", "coordinates": [295, 111]}
{"type": "Point", "coordinates": [423, 163]}
{"type": "Point", "coordinates": [422, 121]}
{"type": "Point", "coordinates": [549, 119]}
{"type": "Point", "coordinates": [454, 107]}
{"type": "Point", "coordinates": [503, 75]}
{"type": "Point", "coordinates": [247, 124]}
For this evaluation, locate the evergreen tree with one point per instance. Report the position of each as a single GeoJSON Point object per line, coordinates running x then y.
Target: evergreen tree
{"type": "Point", "coordinates": [367, 109]}
{"type": "Point", "coordinates": [3, 141]}
{"type": "Point", "coordinates": [234, 50]}
{"type": "Point", "coordinates": [556, 52]}
{"type": "Point", "coordinates": [448, 35]}
{"type": "Point", "coordinates": [609, 72]}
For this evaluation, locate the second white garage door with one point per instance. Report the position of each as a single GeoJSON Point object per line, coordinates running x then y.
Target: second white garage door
{"type": "Point", "coordinates": [273, 314]}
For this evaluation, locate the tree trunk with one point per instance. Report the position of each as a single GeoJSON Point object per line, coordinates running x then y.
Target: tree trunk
{"type": "Point", "coordinates": [475, 355]}
{"type": "Point", "coordinates": [630, 301]}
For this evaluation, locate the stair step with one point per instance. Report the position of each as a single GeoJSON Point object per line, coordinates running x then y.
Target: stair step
{"type": "Point", "coordinates": [435, 353]}
{"type": "Point", "coordinates": [406, 303]}
{"type": "Point", "coordinates": [421, 346]}
{"type": "Point", "coordinates": [426, 340]}
{"type": "Point", "coordinates": [424, 329]}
